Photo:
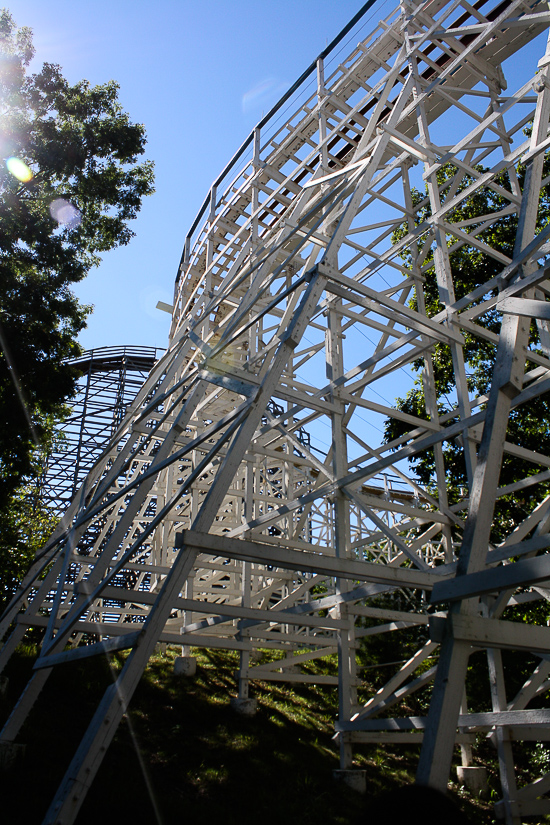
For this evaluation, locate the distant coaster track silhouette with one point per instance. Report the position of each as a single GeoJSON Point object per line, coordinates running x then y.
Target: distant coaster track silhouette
{"type": "Point", "coordinates": [110, 380]}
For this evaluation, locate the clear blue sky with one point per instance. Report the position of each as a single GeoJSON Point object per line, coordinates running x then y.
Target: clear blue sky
{"type": "Point", "coordinates": [199, 75]}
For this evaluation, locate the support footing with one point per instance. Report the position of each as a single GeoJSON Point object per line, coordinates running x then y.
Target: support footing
{"type": "Point", "coordinates": [185, 666]}
{"type": "Point", "coordinates": [473, 778]}
{"type": "Point", "coordinates": [245, 707]}
{"type": "Point", "coordinates": [356, 779]}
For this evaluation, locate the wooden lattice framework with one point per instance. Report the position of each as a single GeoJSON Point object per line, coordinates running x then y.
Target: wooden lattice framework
{"type": "Point", "coordinates": [246, 502]}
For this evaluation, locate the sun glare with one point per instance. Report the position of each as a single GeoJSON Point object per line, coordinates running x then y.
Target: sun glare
{"type": "Point", "coordinates": [19, 169]}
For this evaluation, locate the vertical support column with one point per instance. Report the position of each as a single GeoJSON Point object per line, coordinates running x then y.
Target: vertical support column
{"type": "Point", "coordinates": [428, 377]}
{"type": "Point", "coordinates": [189, 615]}
{"type": "Point", "coordinates": [255, 205]}
{"type": "Point", "coordinates": [323, 151]}
{"type": "Point", "coordinates": [442, 266]}
{"type": "Point", "coordinates": [321, 94]}
{"type": "Point", "coordinates": [186, 665]}
{"type": "Point", "coordinates": [210, 241]}
{"type": "Point", "coordinates": [504, 745]}
{"type": "Point", "coordinates": [347, 675]}
{"type": "Point", "coordinates": [244, 704]}
{"type": "Point", "coordinates": [159, 538]}
{"type": "Point", "coordinates": [176, 312]}
{"type": "Point", "coordinates": [244, 633]}
{"type": "Point", "coordinates": [166, 532]}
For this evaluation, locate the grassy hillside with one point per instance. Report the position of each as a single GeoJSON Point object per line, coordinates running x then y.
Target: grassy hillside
{"type": "Point", "coordinates": [182, 756]}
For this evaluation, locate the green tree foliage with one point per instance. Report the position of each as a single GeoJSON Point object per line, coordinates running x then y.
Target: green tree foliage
{"type": "Point", "coordinates": [26, 526]}
{"type": "Point", "coordinates": [529, 426]}
{"type": "Point", "coordinates": [70, 180]}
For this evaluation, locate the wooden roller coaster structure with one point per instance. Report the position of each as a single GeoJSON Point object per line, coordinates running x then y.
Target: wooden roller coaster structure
{"type": "Point", "coordinates": [248, 500]}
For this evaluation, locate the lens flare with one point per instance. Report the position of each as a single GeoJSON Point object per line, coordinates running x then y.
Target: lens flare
{"type": "Point", "coordinates": [65, 213]}
{"type": "Point", "coordinates": [19, 169]}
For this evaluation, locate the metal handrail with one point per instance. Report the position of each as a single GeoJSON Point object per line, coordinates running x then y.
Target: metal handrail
{"type": "Point", "coordinates": [310, 69]}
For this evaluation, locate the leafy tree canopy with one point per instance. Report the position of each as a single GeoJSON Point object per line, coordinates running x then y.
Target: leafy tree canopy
{"type": "Point", "coordinates": [528, 425]}
{"type": "Point", "coordinates": [70, 181]}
